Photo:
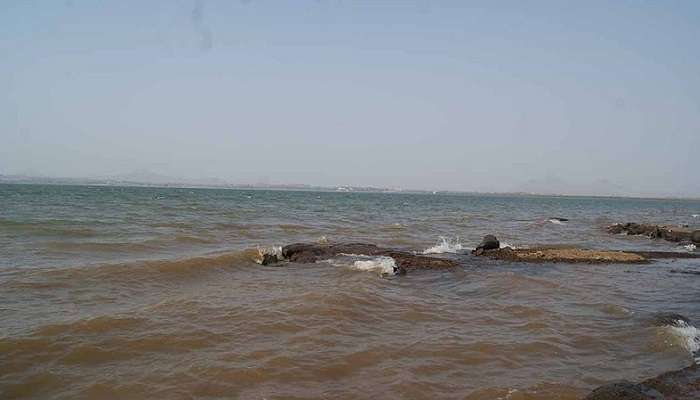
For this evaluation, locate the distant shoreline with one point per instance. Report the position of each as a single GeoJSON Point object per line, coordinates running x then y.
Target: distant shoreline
{"type": "Point", "coordinates": [20, 180]}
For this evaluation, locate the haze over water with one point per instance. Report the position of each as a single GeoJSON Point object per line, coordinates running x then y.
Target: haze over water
{"type": "Point", "coordinates": [116, 292]}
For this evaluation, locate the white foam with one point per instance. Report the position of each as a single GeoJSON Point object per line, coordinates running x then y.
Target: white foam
{"type": "Point", "coordinates": [272, 250]}
{"type": "Point", "coordinates": [696, 215]}
{"type": "Point", "coordinates": [556, 221]}
{"type": "Point", "coordinates": [690, 247]}
{"type": "Point", "coordinates": [506, 244]}
{"type": "Point", "coordinates": [446, 245]}
{"type": "Point", "coordinates": [382, 264]}
{"type": "Point", "coordinates": [688, 334]}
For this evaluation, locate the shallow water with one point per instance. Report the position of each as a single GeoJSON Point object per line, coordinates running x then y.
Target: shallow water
{"type": "Point", "coordinates": [109, 292]}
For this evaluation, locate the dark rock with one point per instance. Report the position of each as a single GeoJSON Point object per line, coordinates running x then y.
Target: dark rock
{"type": "Point", "coordinates": [624, 391]}
{"type": "Point", "coordinates": [405, 262]}
{"type": "Point", "coordinates": [672, 234]}
{"type": "Point", "coordinates": [268, 259]}
{"type": "Point", "coordinates": [670, 319]}
{"type": "Point", "coordinates": [683, 384]}
{"type": "Point", "coordinates": [489, 242]}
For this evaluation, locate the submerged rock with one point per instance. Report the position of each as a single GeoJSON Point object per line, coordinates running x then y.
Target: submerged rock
{"type": "Point", "coordinates": [489, 242]}
{"type": "Point", "coordinates": [405, 261]}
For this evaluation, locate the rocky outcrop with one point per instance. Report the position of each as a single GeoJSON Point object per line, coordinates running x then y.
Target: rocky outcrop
{"type": "Point", "coordinates": [670, 233]}
{"type": "Point", "coordinates": [489, 242]}
{"type": "Point", "coordinates": [405, 261]}
{"type": "Point", "coordinates": [574, 255]}
{"type": "Point", "coordinates": [539, 255]}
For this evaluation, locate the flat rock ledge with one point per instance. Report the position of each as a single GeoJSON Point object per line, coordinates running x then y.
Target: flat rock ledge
{"type": "Point", "coordinates": [572, 255]}
{"type": "Point", "coordinates": [666, 232]}
{"type": "Point", "coordinates": [683, 384]}
{"type": "Point", "coordinates": [311, 253]}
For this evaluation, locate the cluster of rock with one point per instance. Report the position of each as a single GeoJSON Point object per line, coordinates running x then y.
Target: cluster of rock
{"type": "Point", "coordinates": [314, 252]}
{"type": "Point", "coordinates": [665, 232]}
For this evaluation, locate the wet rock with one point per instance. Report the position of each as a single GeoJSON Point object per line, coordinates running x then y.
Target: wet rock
{"type": "Point", "coordinates": [670, 319]}
{"type": "Point", "coordinates": [669, 233]}
{"type": "Point", "coordinates": [624, 391]}
{"type": "Point", "coordinates": [565, 255]}
{"type": "Point", "coordinates": [268, 259]}
{"type": "Point", "coordinates": [405, 261]}
{"type": "Point", "coordinates": [683, 384]}
{"type": "Point", "coordinates": [489, 242]}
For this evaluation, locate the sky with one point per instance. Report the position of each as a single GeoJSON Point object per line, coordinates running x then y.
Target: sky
{"type": "Point", "coordinates": [595, 97]}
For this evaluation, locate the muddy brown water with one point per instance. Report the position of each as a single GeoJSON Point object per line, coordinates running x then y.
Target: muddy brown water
{"type": "Point", "coordinates": [198, 319]}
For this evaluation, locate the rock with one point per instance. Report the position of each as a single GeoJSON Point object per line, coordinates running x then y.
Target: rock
{"type": "Point", "coordinates": [670, 319]}
{"type": "Point", "coordinates": [670, 233]}
{"type": "Point", "coordinates": [683, 384]}
{"type": "Point", "coordinates": [489, 242]}
{"type": "Point", "coordinates": [268, 259]}
{"type": "Point", "coordinates": [695, 237]}
{"type": "Point", "coordinates": [405, 261]}
{"type": "Point", "coordinates": [624, 391]}
{"type": "Point", "coordinates": [565, 255]}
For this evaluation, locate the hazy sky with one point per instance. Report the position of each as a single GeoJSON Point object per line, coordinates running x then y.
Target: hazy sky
{"type": "Point", "coordinates": [490, 96]}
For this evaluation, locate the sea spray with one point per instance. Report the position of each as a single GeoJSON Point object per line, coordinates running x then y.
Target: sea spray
{"type": "Point", "coordinates": [446, 245]}
{"type": "Point", "coordinates": [689, 336]}
{"type": "Point", "coordinates": [268, 255]}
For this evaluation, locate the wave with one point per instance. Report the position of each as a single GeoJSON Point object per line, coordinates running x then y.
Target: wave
{"type": "Point", "coordinates": [118, 247]}
{"type": "Point", "coordinates": [685, 333]}
{"type": "Point", "coordinates": [690, 247]}
{"type": "Point", "coordinates": [557, 221]}
{"type": "Point", "coordinates": [46, 228]}
{"type": "Point", "coordinates": [383, 265]}
{"type": "Point", "coordinates": [447, 245]}
{"type": "Point", "coordinates": [264, 252]}
{"type": "Point", "coordinates": [139, 272]}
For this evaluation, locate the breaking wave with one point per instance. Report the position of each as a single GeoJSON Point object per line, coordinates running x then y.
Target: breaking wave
{"type": "Point", "coordinates": [446, 245]}
{"type": "Point", "coordinates": [687, 334]}
{"type": "Point", "coordinates": [383, 265]}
